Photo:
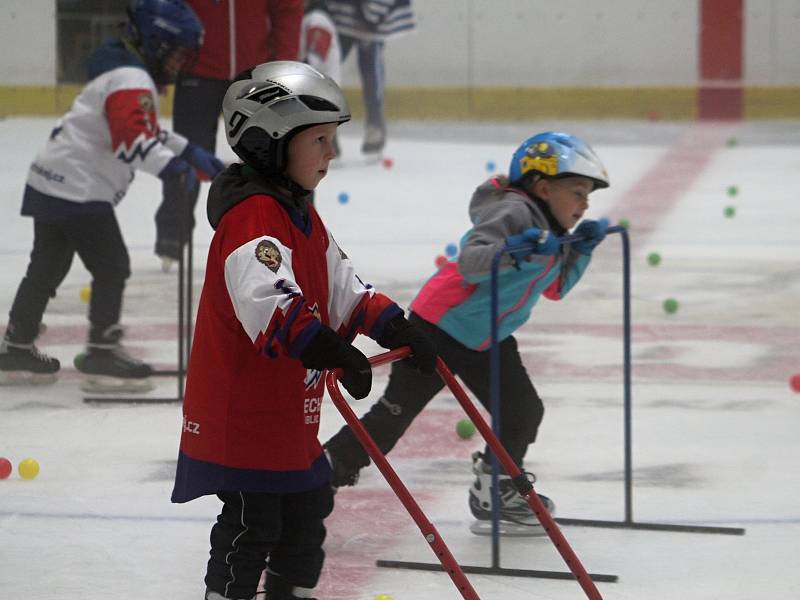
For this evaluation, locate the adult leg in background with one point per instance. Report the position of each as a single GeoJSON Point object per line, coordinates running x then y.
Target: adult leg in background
{"type": "Point", "coordinates": [195, 115]}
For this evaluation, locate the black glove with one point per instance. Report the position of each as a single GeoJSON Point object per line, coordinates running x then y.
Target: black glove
{"type": "Point", "coordinates": [329, 351]}
{"type": "Point", "coordinates": [399, 332]}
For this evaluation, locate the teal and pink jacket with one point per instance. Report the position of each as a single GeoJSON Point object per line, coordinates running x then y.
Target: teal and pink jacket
{"type": "Point", "coordinates": [457, 299]}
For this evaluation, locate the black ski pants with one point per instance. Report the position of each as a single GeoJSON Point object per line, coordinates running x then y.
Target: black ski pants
{"type": "Point", "coordinates": [282, 532]}
{"type": "Point", "coordinates": [96, 238]}
{"type": "Point", "coordinates": [409, 391]}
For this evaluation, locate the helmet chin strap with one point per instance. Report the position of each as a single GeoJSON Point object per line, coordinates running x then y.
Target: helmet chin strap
{"type": "Point", "coordinates": [153, 66]}
{"type": "Point", "coordinates": [130, 45]}
{"type": "Point", "coordinates": [297, 190]}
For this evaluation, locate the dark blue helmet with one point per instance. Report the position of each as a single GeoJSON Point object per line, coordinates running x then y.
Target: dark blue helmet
{"type": "Point", "coordinates": [159, 27]}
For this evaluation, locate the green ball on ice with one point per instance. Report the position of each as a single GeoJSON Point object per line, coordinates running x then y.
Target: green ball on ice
{"type": "Point", "coordinates": [654, 259]}
{"type": "Point", "coordinates": [731, 141]}
{"type": "Point", "coordinates": [624, 223]}
{"type": "Point", "coordinates": [465, 429]}
{"type": "Point", "coordinates": [729, 212]}
{"type": "Point", "coordinates": [670, 306]}
{"type": "Point", "coordinates": [732, 191]}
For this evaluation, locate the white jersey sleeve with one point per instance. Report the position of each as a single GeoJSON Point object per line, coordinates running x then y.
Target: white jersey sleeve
{"type": "Point", "coordinates": [346, 290]}
{"type": "Point", "coordinates": [255, 292]}
{"type": "Point", "coordinates": [319, 44]}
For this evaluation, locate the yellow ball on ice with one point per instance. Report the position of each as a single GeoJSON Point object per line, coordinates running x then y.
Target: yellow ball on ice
{"type": "Point", "coordinates": [383, 597]}
{"type": "Point", "coordinates": [85, 294]}
{"type": "Point", "coordinates": [28, 468]}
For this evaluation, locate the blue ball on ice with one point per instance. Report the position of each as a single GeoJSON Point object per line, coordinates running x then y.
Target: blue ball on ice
{"type": "Point", "coordinates": [490, 166]}
{"type": "Point", "coordinates": [451, 250]}
{"type": "Point", "coordinates": [344, 198]}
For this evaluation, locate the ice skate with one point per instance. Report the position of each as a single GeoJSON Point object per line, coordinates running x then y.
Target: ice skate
{"type": "Point", "coordinates": [166, 263]}
{"type": "Point", "coordinates": [109, 368]}
{"type": "Point", "coordinates": [343, 474]}
{"type": "Point", "coordinates": [516, 516]}
{"type": "Point", "coordinates": [374, 141]}
{"type": "Point", "coordinates": [209, 595]}
{"type": "Point", "coordinates": [277, 588]}
{"type": "Point", "coordinates": [23, 364]}
{"type": "Point", "coordinates": [169, 251]}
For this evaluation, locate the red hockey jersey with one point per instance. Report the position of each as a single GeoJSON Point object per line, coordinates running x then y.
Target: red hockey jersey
{"type": "Point", "coordinates": [273, 275]}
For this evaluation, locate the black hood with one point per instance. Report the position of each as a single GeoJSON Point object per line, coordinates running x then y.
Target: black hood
{"type": "Point", "coordinates": [238, 182]}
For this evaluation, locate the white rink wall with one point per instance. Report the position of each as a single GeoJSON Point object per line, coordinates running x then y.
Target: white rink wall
{"type": "Point", "coordinates": [28, 42]}
{"type": "Point", "coordinates": [521, 43]}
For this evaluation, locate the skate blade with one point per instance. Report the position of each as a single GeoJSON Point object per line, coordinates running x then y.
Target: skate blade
{"type": "Point", "coordinates": [113, 385]}
{"type": "Point", "coordinates": [508, 529]}
{"type": "Point", "coordinates": [23, 378]}
{"type": "Point", "coordinates": [166, 264]}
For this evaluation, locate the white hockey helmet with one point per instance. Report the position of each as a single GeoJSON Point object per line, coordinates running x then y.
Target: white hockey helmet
{"type": "Point", "coordinates": [274, 102]}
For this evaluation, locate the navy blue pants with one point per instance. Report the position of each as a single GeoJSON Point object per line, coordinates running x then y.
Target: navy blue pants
{"type": "Point", "coordinates": [373, 76]}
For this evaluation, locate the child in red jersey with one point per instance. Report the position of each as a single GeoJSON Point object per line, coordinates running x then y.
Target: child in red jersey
{"type": "Point", "coordinates": [280, 303]}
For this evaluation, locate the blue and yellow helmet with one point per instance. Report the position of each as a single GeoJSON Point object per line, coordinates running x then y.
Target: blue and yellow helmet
{"type": "Point", "coordinates": [556, 154]}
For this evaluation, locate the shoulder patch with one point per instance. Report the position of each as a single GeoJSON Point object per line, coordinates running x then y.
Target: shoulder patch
{"type": "Point", "coordinates": [268, 255]}
{"type": "Point", "coordinates": [146, 102]}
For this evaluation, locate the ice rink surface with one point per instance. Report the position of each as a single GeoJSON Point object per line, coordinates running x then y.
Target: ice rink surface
{"type": "Point", "coordinates": [715, 424]}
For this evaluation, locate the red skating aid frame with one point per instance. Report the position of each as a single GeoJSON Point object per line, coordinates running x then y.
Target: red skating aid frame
{"type": "Point", "coordinates": [429, 532]}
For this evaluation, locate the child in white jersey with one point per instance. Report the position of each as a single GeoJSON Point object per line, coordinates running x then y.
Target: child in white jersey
{"type": "Point", "coordinates": [83, 171]}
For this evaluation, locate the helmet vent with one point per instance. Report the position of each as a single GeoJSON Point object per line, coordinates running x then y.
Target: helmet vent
{"type": "Point", "coordinates": [319, 104]}
{"type": "Point", "coordinates": [262, 95]}
{"type": "Point", "coordinates": [287, 107]}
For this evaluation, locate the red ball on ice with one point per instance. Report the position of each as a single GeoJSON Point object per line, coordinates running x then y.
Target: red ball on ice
{"type": "Point", "coordinates": [387, 163]}
{"type": "Point", "coordinates": [794, 382]}
{"type": "Point", "coordinates": [5, 468]}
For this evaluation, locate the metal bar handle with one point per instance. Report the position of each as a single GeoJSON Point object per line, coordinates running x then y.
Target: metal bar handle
{"type": "Point", "coordinates": [511, 469]}
{"type": "Point", "coordinates": [427, 528]}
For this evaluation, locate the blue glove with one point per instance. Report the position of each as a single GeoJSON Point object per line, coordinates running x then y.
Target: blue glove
{"type": "Point", "coordinates": [178, 170]}
{"type": "Point", "coordinates": [208, 166]}
{"type": "Point", "coordinates": [593, 233]}
{"type": "Point", "coordinates": [544, 243]}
